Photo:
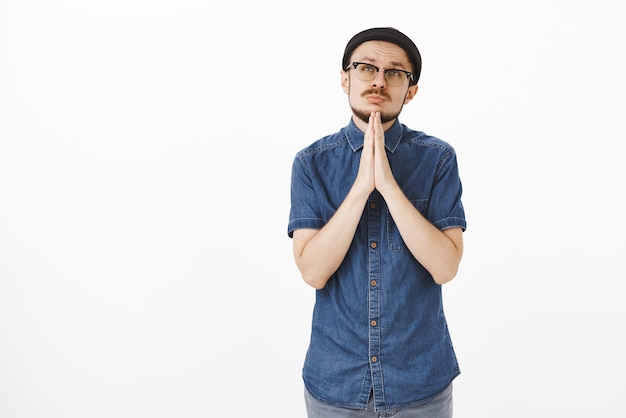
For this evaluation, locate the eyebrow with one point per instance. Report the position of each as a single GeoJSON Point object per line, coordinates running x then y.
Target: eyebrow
{"type": "Point", "coordinates": [394, 64]}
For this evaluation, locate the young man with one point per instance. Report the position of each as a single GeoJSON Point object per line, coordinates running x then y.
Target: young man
{"type": "Point", "coordinates": [377, 221]}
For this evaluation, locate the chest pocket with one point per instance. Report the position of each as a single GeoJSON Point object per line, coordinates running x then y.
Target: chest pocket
{"type": "Point", "coordinates": [394, 239]}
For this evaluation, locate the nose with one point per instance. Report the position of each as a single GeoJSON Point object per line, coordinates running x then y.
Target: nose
{"type": "Point", "coordinates": [379, 80]}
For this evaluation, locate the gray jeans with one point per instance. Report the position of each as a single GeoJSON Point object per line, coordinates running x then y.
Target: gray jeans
{"type": "Point", "coordinates": [438, 407]}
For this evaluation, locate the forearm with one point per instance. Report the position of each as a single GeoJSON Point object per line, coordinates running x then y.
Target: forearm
{"type": "Point", "coordinates": [439, 252]}
{"type": "Point", "coordinates": [319, 254]}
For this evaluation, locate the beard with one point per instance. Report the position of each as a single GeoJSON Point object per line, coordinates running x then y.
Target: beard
{"type": "Point", "coordinates": [385, 117]}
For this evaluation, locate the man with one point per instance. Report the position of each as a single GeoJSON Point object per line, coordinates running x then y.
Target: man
{"type": "Point", "coordinates": [377, 221]}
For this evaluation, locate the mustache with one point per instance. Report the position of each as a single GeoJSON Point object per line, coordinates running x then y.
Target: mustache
{"type": "Point", "coordinates": [377, 92]}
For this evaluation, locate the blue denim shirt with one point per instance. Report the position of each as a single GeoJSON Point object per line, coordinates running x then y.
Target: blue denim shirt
{"type": "Point", "coordinates": [379, 323]}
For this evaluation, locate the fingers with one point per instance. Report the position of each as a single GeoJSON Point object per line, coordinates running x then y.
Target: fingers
{"type": "Point", "coordinates": [374, 169]}
{"type": "Point", "coordinates": [377, 130]}
{"type": "Point", "coordinates": [370, 133]}
{"type": "Point", "coordinates": [383, 177]}
{"type": "Point", "coordinates": [365, 177]}
{"type": "Point", "coordinates": [374, 125]}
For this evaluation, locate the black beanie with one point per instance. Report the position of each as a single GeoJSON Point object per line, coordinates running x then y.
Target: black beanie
{"type": "Point", "coordinates": [389, 35]}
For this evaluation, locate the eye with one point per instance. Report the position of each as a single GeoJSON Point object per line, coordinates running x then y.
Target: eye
{"type": "Point", "coordinates": [367, 68]}
{"type": "Point", "coordinates": [394, 73]}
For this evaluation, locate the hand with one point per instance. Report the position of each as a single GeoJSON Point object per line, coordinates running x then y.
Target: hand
{"type": "Point", "coordinates": [374, 169]}
{"type": "Point", "coordinates": [365, 182]}
{"type": "Point", "coordinates": [383, 177]}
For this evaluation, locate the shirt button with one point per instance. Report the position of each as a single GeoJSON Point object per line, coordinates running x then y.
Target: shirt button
{"type": "Point", "coordinates": [374, 359]}
{"type": "Point", "coordinates": [373, 245]}
{"type": "Point", "coordinates": [374, 282]}
{"type": "Point", "coordinates": [373, 205]}
{"type": "Point", "coordinates": [373, 323]}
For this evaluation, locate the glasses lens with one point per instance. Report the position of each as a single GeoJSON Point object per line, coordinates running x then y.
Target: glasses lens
{"type": "Point", "coordinates": [395, 77]}
{"type": "Point", "coordinates": [367, 72]}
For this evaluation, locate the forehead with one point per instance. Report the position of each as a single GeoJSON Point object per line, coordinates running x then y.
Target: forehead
{"type": "Point", "coordinates": [382, 53]}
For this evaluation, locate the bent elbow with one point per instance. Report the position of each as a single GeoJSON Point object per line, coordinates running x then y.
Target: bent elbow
{"type": "Point", "coordinates": [314, 281]}
{"type": "Point", "coordinates": [441, 280]}
{"type": "Point", "coordinates": [444, 277]}
{"type": "Point", "coordinates": [313, 276]}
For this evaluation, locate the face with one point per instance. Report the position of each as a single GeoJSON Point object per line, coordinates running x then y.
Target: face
{"type": "Point", "coordinates": [366, 97]}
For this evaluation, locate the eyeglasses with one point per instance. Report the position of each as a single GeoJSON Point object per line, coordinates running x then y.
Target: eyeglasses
{"type": "Point", "coordinates": [368, 72]}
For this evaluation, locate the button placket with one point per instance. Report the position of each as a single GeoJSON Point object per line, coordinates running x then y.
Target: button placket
{"type": "Point", "coordinates": [374, 234]}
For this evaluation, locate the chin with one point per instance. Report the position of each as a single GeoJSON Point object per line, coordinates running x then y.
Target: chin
{"type": "Point", "coordinates": [364, 114]}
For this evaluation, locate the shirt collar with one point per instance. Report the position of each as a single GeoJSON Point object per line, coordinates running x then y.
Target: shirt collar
{"type": "Point", "coordinates": [393, 136]}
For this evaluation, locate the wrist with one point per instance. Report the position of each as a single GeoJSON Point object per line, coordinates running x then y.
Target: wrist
{"type": "Point", "coordinates": [390, 191]}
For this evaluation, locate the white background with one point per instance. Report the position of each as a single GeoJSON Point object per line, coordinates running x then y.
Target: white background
{"type": "Point", "coordinates": [145, 156]}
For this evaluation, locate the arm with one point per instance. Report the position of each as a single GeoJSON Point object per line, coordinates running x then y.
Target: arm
{"type": "Point", "coordinates": [438, 251]}
{"type": "Point", "coordinates": [319, 253]}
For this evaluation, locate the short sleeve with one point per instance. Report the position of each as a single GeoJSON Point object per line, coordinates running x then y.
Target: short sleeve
{"type": "Point", "coordinates": [445, 209]}
{"type": "Point", "coordinates": [305, 209]}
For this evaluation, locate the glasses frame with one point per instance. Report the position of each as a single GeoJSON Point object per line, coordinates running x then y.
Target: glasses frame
{"type": "Point", "coordinates": [409, 75]}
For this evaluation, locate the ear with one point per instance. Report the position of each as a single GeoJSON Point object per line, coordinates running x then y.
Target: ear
{"type": "Point", "coordinates": [345, 81]}
{"type": "Point", "coordinates": [410, 94]}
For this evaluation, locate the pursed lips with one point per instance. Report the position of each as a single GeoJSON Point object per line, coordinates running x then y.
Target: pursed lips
{"type": "Point", "coordinates": [375, 98]}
